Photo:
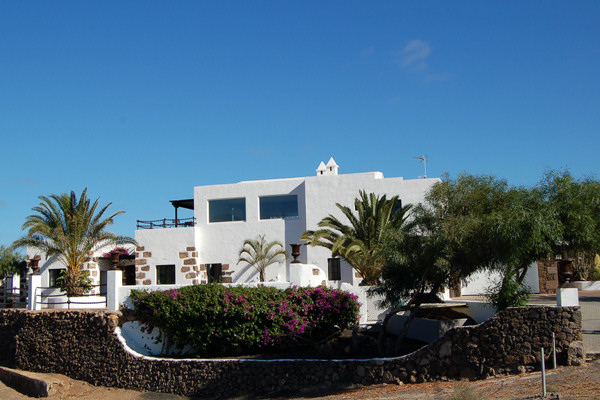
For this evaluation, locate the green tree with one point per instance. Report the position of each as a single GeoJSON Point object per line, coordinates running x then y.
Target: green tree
{"type": "Point", "coordinates": [467, 224]}
{"type": "Point", "coordinates": [260, 254]}
{"type": "Point", "coordinates": [71, 230]}
{"type": "Point", "coordinates": [11, 262]}
{"type": "Point", "coordinates": [359, 242]}
{"type": "Point", "coordinates": [576, 205]}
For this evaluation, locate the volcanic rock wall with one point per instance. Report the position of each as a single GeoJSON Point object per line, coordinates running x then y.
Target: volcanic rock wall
{"type": "Point", "coordinates": [83, 345]}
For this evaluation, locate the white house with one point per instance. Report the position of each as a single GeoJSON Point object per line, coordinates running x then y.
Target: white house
{"type": "Point", "coordinates": [206, 247]}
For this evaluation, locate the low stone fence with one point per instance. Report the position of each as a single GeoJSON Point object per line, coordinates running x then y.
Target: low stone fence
{"type": "Point", "coordinates": [84, 345]}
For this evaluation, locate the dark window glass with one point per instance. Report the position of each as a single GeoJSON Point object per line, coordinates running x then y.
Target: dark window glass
{"type": "Point", "coordinates": [227, 210]}
{"type": "Point", "coordinates": [129, 275]}
{"type": "Point", "coordinates": [214, 273]}
{"type": "Point", "coordinates": [397, 207]}
{"type": "Point", "coordinates": [53, 274]}
{"type": "Point", "coordinates": [333, 269]}
{"type": "Point", "coordinates": [165, 274]}
{"type": "Point", "coordinates": [279, 207]}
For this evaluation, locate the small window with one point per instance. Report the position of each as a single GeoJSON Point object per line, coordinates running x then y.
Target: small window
{"type": "Point", "coordinates": [53, 274]}
{"type": "Point", "coordinates": [165, 274]}
{"type": "Point", "coordinates": [279, 207]}
{"type": "Point", "coordinates": [214, 273]}
{"type": "Point", "coordinates": [227, 210]}
{"type": "Point", "coordinates": [397, 207]}
{"type": "Point", "coordinates": [333, 269]}
{"type": "Point", "coordinates": [129, 275]}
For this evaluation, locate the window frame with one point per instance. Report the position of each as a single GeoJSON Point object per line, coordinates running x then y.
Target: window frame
{"type": "Point", "coordinates": [53, 274]}
{"type": "Point", "coordinates": [243, 209]}
{"type": "Point", "coordinates": [158, 274]}
{"type": "Point", "coordinates": [334, 269]}
{"type": "Point", "coordinates": [290, 217]}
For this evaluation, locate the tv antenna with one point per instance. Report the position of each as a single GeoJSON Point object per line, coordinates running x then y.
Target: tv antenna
{"type": "Point", "coordinates": [424, 159]}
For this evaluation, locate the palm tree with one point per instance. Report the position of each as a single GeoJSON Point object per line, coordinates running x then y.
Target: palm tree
{"type": "Point", "coordinates": [359, 243]}
{"type": "Point", "coordinates": [260, 254]}
{"type": "Point", "coordinates": [71, 229]}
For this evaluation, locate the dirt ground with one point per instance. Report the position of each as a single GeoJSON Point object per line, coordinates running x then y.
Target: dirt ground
{"type": "Point", "coordinates": [564, 383]}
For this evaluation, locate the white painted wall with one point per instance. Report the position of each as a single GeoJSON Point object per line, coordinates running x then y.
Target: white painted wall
{"type": "Point", "coordinates": [165, 245]}
{"type": "Point", "coordinates": [220, 242]}
{"type": "Point", "coordinates": [317, 195]}
{"type": "Point", "coordinates": [479, 282]}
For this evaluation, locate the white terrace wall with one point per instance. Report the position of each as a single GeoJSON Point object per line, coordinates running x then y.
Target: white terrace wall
{"type": "Point", "coordinates": [168, 246]}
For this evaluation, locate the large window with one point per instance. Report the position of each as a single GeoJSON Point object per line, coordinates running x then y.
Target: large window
{"type": "Point", "coordinates": [165, 274]}
{"type": "Point", "coordinates": [279, 207]}
{"type": "Point", "coordinates": [227, 210]}
{"type": "Point", "coordinates": [334, 271]}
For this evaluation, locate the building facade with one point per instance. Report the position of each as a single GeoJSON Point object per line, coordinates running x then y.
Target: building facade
{"type": "Point", "coordinates": [207, 248]}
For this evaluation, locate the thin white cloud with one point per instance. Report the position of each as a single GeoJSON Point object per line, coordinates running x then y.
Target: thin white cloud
{"type": "Point", "coordinates": [415, 54]}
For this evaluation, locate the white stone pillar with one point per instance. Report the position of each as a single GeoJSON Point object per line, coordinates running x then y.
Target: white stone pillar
{"type": "Point", "coordinates": [114, 281]}
{"type": "Point", "coordinates": [567, 296]}
{"type": "Point", "coordinates": [35, 282]}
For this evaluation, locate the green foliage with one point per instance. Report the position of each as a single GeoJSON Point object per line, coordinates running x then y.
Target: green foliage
{"type": "Point", "coordinates": [70, 229]}
{"type": "Point", "coordinates": [508, 292]}
{"type": "Point", "coordinates": [413, 264]}
{"type": "Point", "coordinates": [576, 206]}
{"type": "Point", "coordinates": [260, 254]}
{"type": "Point", "coordinates": [75, 283]}
{"type": "Point", "coordinates": [359, 243]}
{"type": "Point", "coordinates": [596, 270]}
{"type": "Point", "coordinates": [11, 262]}
{"type": "Point", "coordinates": [216, 320]}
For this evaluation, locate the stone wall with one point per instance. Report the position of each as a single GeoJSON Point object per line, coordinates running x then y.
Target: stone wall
{"type": "Point", "coordinates": [83, 345]}
{"type": "Point", "coordinates": [548, 276]}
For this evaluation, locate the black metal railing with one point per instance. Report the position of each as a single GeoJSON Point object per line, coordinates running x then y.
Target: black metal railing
{"type": "Point", "coordinates": [13, 297]}
{"type": "Point", "coordinates": [52, 304]}
{"type": "Point", "coordinates": [166, 223]}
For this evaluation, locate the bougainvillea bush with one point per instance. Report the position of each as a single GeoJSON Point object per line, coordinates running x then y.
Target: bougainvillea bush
{"type": "Point", "coordinates": [218, 320]}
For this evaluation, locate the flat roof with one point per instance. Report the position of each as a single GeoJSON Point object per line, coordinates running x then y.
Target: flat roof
{"type": "Point", "coordinates": [185, 203]}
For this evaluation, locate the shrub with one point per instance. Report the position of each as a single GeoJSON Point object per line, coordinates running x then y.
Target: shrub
{"type": "Point", "coordinates": [74, 283]}
{"type": "Point", "coordinates": [218, 320]}
{"type": "Point", "coordinates": [508, 292]}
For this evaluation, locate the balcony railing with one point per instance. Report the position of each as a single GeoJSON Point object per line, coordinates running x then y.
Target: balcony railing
{"type": "Point", "coordinates": [166, 223]}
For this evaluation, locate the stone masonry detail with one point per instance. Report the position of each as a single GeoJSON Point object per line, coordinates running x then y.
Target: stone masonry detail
{"type": "Point", "coordinates": [83, 345]}
{"type": "Point", "coordinates": [142, 268]}
{"type": "Point", "coordinates": [189, 268]}
{"type": "Point", "coordinates": [91, 265]}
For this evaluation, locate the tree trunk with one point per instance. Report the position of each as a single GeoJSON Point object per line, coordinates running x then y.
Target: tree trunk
{"type": "Point", "coordinates": [402, 335]}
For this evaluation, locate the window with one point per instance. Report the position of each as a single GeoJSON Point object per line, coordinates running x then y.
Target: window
{"type": "Point", "coordinates": [129, 275]}
{"type": "Point", "coordinates": [333, 269]}
{"type": "Point", "coordinates": [227, 210]}
{"type": "Point", "coordinates": [214, 272]}
{"type": "Point", "coordinates": [53, 274]}
{"type": "Point", "coordinates": [165, 274]}
{"type": "Point", "coordinates": [397, 207]}
{"type": "Point", "coordinates": [279, 207]}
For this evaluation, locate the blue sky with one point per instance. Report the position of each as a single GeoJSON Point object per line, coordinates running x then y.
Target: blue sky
{"type": "Point", "coordinates": [141, 101]}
